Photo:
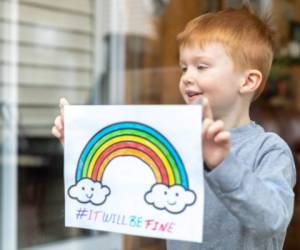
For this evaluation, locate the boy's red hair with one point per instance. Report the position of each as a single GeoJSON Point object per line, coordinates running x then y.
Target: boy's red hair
{"type": "Point", "coordinates": [247, 39]}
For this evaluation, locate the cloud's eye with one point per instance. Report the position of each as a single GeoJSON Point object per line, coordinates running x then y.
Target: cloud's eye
{"type": "Point", "coordinates": [165, 192]}
{"type": "Point", "coordinates": [83, 188]}
{"type": "Point", "coordinates": [92, 189]}
{"type": "Point", "coordinates": [177, 194]}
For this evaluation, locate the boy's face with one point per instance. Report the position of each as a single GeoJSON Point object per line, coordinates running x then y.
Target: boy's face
{"type": "Point", "coordinates": [209, 72]}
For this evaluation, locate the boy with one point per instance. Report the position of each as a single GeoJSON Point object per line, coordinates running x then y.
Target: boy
{"type": "Point", "coordinates": [225, 58]}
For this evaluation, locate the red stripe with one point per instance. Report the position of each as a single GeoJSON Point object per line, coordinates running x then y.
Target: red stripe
{"type": "Point", "coordinates": [135, 145]}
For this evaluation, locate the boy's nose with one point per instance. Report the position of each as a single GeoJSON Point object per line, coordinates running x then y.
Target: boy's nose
{"type": "Point", "coordinates": [188, 80]}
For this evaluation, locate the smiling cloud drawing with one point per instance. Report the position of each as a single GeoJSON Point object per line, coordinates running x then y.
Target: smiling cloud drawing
{"type": "Point", "coordinates": [174, 199]}
{"type": "Point", "coordinates": [86, 191]}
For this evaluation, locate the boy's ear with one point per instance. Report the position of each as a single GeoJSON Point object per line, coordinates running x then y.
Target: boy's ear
{"type": "Point", "coordinates": [251, 82]}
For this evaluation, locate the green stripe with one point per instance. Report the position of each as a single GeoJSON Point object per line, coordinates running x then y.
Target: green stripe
{"type": "Point", "coordinates": [133, 132]}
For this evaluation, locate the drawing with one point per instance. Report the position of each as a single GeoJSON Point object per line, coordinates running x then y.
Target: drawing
{"type": "Point", "coordinates": [170, 191]}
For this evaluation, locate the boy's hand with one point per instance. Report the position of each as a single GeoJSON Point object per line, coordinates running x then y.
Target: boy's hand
{"type": "Point", "coordinates": [216, 140]}
{"type": "Point", "coordinates": [58, 128]}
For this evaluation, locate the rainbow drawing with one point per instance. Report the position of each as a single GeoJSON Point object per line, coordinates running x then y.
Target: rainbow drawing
{"type": "Point", "coordinates": [132, 139]}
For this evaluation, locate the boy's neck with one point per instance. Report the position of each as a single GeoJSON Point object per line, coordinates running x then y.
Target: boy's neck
{"type": "Point", "coordinates": [236, 118]}
{"type": "Point", "coordinates": [237, 122]}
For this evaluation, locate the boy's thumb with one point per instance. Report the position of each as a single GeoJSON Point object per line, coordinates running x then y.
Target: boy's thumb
{"type": "Point", "coordinates": [62, 102]}
{"type": "Point", "coordinates": [207, 112]}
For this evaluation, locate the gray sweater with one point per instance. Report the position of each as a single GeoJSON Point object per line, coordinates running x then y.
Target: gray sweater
{"type": "Point", "coordinates": [249, 197]}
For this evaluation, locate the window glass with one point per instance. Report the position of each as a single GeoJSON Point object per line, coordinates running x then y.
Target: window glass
{"type": "Point", "coordinates": [106, 52]}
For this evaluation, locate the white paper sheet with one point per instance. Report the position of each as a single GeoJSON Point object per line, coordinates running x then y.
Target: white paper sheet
{"type": "Point", "coordinates": [135, 169]}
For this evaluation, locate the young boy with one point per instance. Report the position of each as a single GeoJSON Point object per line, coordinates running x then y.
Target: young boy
{"type": "Point", "coordinates": [225, 58]}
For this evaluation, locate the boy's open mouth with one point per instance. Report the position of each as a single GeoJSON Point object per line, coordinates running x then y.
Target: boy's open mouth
{"type": "Point", "coordinates": [191, 93]}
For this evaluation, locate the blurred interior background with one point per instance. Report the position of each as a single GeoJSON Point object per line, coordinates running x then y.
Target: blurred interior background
{"type": "Point", "coordinates": [106, 52]}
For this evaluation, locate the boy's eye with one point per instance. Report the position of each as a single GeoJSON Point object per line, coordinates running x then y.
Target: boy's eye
{"type": "Point", "coordinates": [201, 67]}
{"type": "Point", "coordinates": [183, 68]}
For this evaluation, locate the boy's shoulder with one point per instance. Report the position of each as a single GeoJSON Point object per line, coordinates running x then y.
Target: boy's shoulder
{"type": "Point", "coordinates": [275, 154]}
{"type": "Point", "coordinates": [265, 139]}
{"type": "Point", "coordinates": [258, 142]}
{"type": "Point", "coordinates": [266, 152]}
{"type": "Point", "coordinates": [272, 141]}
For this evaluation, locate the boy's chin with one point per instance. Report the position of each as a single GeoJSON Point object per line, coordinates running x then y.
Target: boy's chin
{"type": "Point", "coordinates": [195, 101]}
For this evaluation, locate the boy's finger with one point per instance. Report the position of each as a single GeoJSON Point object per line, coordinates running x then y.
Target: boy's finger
{"type": "Point", "coordinates": [206, 123]}
{"type": "Point", "coordinates": [207, 112]}
{"type": "Point", "coordinates": [62, 102]}
{"type": "Point", "coordinates": [224, 136]}
{"type": "Point", "coordinates": [215, 128]}
{"type": "Point", "coordinates": [58, 123]}
{"type": "Point", "coordinates": [56, 132]}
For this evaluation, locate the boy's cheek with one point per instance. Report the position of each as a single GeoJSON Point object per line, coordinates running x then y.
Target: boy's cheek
{"type": "Point", "coordinates": [181, 91]}
{"type": "Point", "coordinates": [184, 98]}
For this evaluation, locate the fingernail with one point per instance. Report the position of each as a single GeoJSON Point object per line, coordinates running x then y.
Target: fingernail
{"type": "Point", "coordinates": [62, 102]}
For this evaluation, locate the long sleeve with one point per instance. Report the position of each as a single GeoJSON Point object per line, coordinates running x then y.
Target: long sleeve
{"type": "Point", "coordinates": [260, 196]}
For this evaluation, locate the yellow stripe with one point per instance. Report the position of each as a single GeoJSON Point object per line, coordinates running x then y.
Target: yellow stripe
{"type": "Point", "coordinates": [131, 152]}
{"type": "Point", "coordinates": [135, 139]}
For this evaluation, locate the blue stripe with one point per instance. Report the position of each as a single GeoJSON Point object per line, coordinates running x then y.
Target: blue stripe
{"type": "Point", "coordinates": [138, 126]}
